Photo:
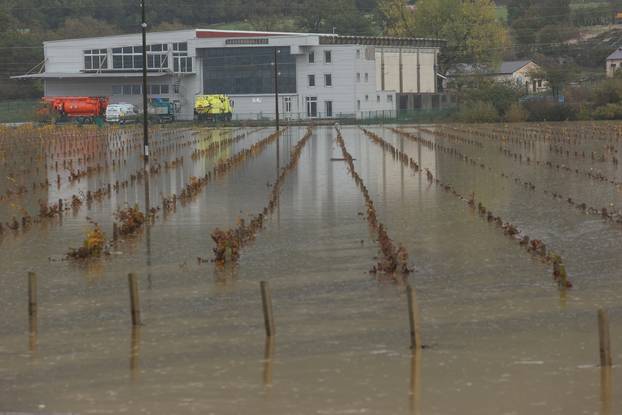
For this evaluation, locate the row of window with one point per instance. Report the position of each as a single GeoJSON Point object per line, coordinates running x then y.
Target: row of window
{"type": "Point", "coordinates": [328, 80]}
{"type": "Point", "coordinates": [378, 99]}
{"type": "Point", "coordinates": [328, 57]}
{"type": "Point", "coordinates": [131, 58]}
{"type": "Point", "coordinates": [136, 89]}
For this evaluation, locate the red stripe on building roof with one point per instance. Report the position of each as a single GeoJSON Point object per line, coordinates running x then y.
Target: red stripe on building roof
{"type": "Point", "coordinates": [216, 34]}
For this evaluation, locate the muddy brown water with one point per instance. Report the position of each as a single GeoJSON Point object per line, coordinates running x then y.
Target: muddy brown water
{"type": "Point", "coordinates": [502, 337]}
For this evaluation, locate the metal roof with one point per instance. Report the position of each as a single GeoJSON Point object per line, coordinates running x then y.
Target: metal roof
{"type": "Point", "coordinates": [510, 67]}
{"type": "Point", "coordinates": [616, 55]}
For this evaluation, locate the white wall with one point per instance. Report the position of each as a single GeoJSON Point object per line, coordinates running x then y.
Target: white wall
{"type": "Point", "coordinates": [409, 69]}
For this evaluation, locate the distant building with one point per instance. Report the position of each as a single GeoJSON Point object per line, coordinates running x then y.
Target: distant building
{"type": "Point", "coordinates": [522, 73]}
{"type": "Point", "coordinates": [614, 62]}
{"type": "Point", "coordinates": [320, 75]}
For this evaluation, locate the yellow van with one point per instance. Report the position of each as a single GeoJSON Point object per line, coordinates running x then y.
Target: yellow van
{"type": "Point", "coordinates": [213, 108]}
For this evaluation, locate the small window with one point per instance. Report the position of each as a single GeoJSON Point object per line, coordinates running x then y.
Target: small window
{"type": "Point", "coordinates": [358, 104]}
{"type": "Point", "coordinates": [366, 98]}
{"type": "Point", "coordinates": [358, 54]}
{"type": "Point", "coordinates": [176, 88]}
{"type": "Point", "coordinates": [366, 77]}
{"type": "Point", "coordinates": [127, 89]}
{"type": "Point", "coordinates": [164, 89]}
{"type": "Point", "coordinates": [389, 98]}
{"type": "Point", "coordinates": [328, 80]}
{"type": "Point", "coordinates": [311, 57]}
{"type": "Point", "coordinates": [287, 104]}
{"type": "Point", "coordinates": [117, 90]}
{"type": "Point", "coordinates": [154, 89]}
{"type": "Point", "coordinates": [377, 98]}
{"type": "Point", "coordinates": [311, 80]}
{"type": "Point", "coordinates": [136, 90]}
{"type": "Point", "coordinates": [328, 56]}
{"type": "Point", "coordinates": [358, 77]}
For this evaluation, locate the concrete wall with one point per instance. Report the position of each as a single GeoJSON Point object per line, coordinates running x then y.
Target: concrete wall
{"type": "Point", "coordinates": [410, 56]}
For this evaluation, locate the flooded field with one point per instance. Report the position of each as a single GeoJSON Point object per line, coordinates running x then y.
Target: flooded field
{"type": "Point", "coordinates": [486, 214]}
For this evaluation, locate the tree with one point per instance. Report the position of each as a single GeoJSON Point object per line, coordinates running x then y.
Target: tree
{"type": "Point", "coordinates": [471, 28]}
{"type": "Point", "coordinates": [340, 16]}
{"type": "Point", "coordinates": [396, 18]}
{"type": "Point", "coordinates": [74, 28]}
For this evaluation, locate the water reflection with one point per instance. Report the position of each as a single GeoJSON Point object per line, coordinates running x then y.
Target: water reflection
{"type": "Point", "coordinates": [415, 381]}
{"type": "Point", "coordinates": [33, 332]}
{"type": "Point", "coordinates": [606, 390]}
{"type": "Point", "coordinates": [135, 354]}
{"type": "Point", "coordinates": [267, 362]}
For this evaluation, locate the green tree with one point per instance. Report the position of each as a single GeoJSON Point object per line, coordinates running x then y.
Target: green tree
{"type": "Point", "coordinates": [396, 18]}
{"type": "Point", "coordinates": [340, 16]}
{"type": "Point", "coordinates": [471, 28]}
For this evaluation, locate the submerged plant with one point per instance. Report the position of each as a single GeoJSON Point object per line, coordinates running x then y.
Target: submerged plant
{"type": "Point", "coordinates": [94, 244]}
{"type": "Point", "coordinates": [131, 220]}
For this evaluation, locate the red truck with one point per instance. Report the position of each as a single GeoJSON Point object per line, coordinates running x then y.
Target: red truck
{"type": "Point", "coordinates": [83, 110]}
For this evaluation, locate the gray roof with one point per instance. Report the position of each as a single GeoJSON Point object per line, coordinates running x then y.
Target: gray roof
{"type": "Point", "coordinates": [512, 66]}
{"type": "Point", "coordinates": [506, 68]}
{"type": "Point", "coordinates": [616, 55]}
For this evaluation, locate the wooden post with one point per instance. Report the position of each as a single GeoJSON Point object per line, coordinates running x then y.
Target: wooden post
{"type": "Point", "coordinates": [60, 205]}
{"type": "Point", "coordinates": [134, 302]}
{"type": "Point", "coordinates": [413, 318]}
{"type": "Point", "coordinates": [266, 299]}
{"type": "Point", "coordinates": [603, 335]}
{"type": "Point", "coordinates": [32, 294]}
{"type": "Point", "coordinates": [115, 231]}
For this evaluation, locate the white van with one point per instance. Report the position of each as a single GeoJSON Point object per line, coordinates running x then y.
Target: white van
{"type": "Point", "coordinates": [122, 113]}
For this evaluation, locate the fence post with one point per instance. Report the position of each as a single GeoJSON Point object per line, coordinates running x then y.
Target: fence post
{"type": "Point", "coordinates": [266, 299]}
{"type": "Point", "coordinates": [134, 300]}
{"type": "Point", "coordinates": [413, 318]}
{"type": "Point", "coordinates": [604, 340]}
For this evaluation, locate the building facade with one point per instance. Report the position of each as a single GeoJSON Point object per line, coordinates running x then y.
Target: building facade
{"type": "Point", "coordinates": [319, 75]}
{"type": "Point", "coordinates": [614, 63]}
{"type": "Point", "coordinates": [524, 74]}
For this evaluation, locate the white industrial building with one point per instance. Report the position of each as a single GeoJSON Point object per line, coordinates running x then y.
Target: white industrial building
{"type": "Point", "coordinates": [320, 75]}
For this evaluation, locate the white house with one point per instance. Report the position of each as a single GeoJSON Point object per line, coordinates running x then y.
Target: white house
{"type": "Point", "coordinates": [521, 73]}
{"type": "Point", "coordinates": [614, 62]}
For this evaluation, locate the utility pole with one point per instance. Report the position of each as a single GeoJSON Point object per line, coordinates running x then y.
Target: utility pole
{"type": "Point", "coordinates": [145, 103]}
{"type": "Point", "coordinates": [276, 86]}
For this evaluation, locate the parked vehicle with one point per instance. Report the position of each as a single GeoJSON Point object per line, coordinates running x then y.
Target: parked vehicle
{"type": "Point", "coordinates": [83, 110]}
{"type": "Point", "coordinates": [122, 113]}
{"type": "Point", "coordinates": [213, 108]}
{"type": "Point", "coordinates": [161, 110]}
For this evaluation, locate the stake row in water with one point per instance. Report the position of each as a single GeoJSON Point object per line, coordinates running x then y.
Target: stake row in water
{"type": "Point", "coordinates": [229, 242]}
{"type": "Point", "coordinates": [394, 259]}
{"type": "Point", "coordinates": [533, 246]}
{"type": "Point", "coordinates": [610, 215]}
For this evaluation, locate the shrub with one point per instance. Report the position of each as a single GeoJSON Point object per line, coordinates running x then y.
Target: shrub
{"type": "Point", "coordinates": [516, 113]}
{"type": "Point", "coordinates": [478, 111]}
{"type": "Point", "coordinates": [608, 112]}
{"type": "Point", "coordinates": [550, 111]}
